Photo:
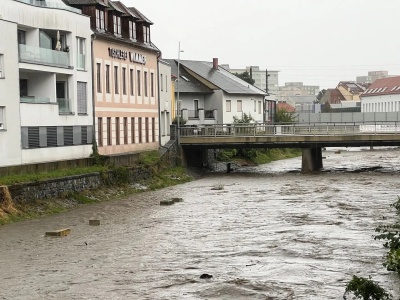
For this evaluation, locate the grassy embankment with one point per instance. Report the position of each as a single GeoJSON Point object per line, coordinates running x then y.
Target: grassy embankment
{"type": "Point", "coordinates": [161, 176]}
{"type": "Point", "coordinates": [257, 156]}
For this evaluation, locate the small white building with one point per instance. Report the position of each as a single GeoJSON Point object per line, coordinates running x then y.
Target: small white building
{"type": "Point", "coordinates": [383, 95]}
{"type": "Point", "coordinates": [46, 111]}
{"type": "Point", "coordinates": [165, 101]}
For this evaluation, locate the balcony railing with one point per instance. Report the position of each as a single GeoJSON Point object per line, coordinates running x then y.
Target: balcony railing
{"type": "Point", "coordinates": [44, 56]}
{"type": "Point", "coordinates": [34, 99]}
{"type": "Point", "coordinates": [209, 114]}
{"type": "Point", "coordinates": [64, 106]}
{"type": "Point", "coordinates": [50, 4]}
{"type": "Point", "coordinates": [81, 62]}
{"type": "Point", "coordinates": [193, 114]}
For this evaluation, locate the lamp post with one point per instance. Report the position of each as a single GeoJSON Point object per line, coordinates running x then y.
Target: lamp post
{"type": "Point", "coordinates": [178, 104]}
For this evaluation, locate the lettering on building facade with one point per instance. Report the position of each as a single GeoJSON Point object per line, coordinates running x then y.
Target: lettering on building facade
{"type": "Point", "coordinates": [122, 54]}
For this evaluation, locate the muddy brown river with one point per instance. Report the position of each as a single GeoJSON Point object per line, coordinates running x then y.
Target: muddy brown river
{"type": "Point", "coordinates": [266, 232]}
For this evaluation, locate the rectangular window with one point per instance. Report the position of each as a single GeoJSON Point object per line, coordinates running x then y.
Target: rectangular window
{"type": "Point", "coordinates": [132, 30]}
{"type": "Point", "coordinates": [133, 128]}
{"type": "Point", "coordinates": [100, 131]}
{"type": "Point", "coordinates": [132, 85]}
{"type": "Point", "coordinates": [98, 77]}
{"type": "Point", "coordinates": [255, 105]}
{"type": "Point", "coordinates": [146, 128]}
{"type": "Point", "coordinates": [145, 84]}
{"type": "Point", "coordinates": [152, 84]}
{"type": "Point", "coordinates": [109, 131]}
{"type": "Point", "coordinates": [166, 83]}
{"type": "Point", "coordinates": [259, 107]}
{"type": "Point", "coordinates": [153, 129]}
{"type": "Point", "coordinates": [107, 79]}
{"type": "Point", "coordinates": [138, 83]}
{"type": "Point", "coordinates": [2, 117]}
{"type": "Point", "coordinates": [140, 129]}
{"type": "Point", "coordinates": [239, 106]}
{"type": "Point", "coordinates": [125, 130]}
{"type": "Point", "coordinates": [116, 87]}
{"type": "Point", "coordinates": [21, 37]}
{"type": "Point", "coordinates": [161, 81]}
{"type": "Point", "coordinates": [82, 98]}
{"type": "Point", "coordinates": [228, 105]}
{"type": "Point", "coordinates": [117, 131]}
{"type": "Point", "coordinates": [81, 54]}
{"type": "Point", "coordinates": [146, 34]}
{"type": "Point", "coordinates": [124, 81]}
{"type": "Point", "coordinates": [2, 74]}
{"type": "Point", "coordinates": [117, 25]}
{"type": "Point", "coordinates": [100, 19]}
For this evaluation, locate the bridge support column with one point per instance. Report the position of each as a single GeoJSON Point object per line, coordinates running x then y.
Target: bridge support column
{"type": "Point", "coordinates": [311, 160]}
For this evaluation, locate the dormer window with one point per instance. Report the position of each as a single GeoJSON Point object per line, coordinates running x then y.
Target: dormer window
{"type": "Point", "coordinates": [146, 34]}
{"type": "Point", "coordinates": [100, 20]}
{"type": "Point", "coordinates": [117, 25]}
{"type": "Point", "coordinates": [132, 30]}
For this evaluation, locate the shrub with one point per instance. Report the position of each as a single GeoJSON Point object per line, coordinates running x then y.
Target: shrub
{"type": "Point", "coordinates": [365, 289]}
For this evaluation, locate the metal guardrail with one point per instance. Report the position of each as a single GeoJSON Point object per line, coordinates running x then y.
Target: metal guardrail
{"type": "Point", "coordinates": [309, 129]}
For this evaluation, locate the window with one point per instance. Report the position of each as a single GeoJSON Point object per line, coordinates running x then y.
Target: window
{"type": "Point", "coordinates": [259, 107]}
{"type": "Point", "coordinates": [146, 34]}
{"type": "Point", "coordinates": [228, 105]}
{"type": "Point", "coordinates": [138, 83]}
{"type": "Point", "coordinates": [132, 85]}
{"type": "Point", "coordinates": [116, 87]}
{"type": "Point", "coordinates": [255, 105]}
{"type": "Point", "coordinates": [145, 84]}
{"type": "Point", "coordinates": [124, 81]}
{"type": "Point", "coordinates": [153, 129]}
{"type": "Point", "coordinates": [81, 53]}
{"type": "Point", "coordinates": [109, 136]}
{"type": "Point", "coordinates": [82, 98]}
{"type": "Point", "coordinates": [140, 129]}
{"type": "Point", "coordinates": [166, 83]}
{"type": "Point", "coordinates": [100, 131]}
{"type": "Point", "coordinates": [133, 130]}
{"type": "Point", "coordinates": [161, 80]}
{"type": "Point", "coordinates": [239, 105]}
{"type": "Point", "coordinates": [107, 79]}
{"type": "Point", "coordinates": [152, 84]}
{"type": "Point", "coordinates": [2, 75]}
{"type": "Point", "coordinates": [117, 131]}
{"type": "Point", "coordinates": [132, 30]}
{"type": "Point", "coordinates": [146, 128]}
{"type": "Point", "coordinates": [117, 25]}
{"type": "Point", "coordinates": [98, 78]}
{"type": "Point", "coordinates": [2, 118]}
{"type": "Point", "coordinates": [125, 130]}
{"type": "Point", "coordinates": [21, 37]}
{"type": "Point", "coordinates": [100, 20]}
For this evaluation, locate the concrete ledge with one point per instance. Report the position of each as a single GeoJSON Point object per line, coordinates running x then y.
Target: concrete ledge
{"type": "Point", "coordinates": [60, 232]}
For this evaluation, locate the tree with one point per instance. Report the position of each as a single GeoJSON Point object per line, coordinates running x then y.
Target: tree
{"type": "Point", "coordinates": [365, 289]}
{"type": "Point", "coordinates": [283, 116]}
{"type": "Point", "coordinates": [246, 119]}
{"type": "Point", "coordinates": [321, 94]}
{"type": "Point", "coordinates": [246, 77]}
{"type": "Point", "coordinates": [326, 107]}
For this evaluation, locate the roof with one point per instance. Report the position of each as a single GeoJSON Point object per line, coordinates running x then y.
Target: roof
{"type": "Point", "coordinates": [383, 86]}
{"type": "Point", "coordinates": [85, 2]}
{"type": "Point", "coordinates": [221, 78]}
{"type": "Point", "coordinates": [352, 87]}
{"type": "Point", "coordinates": [125, 10]}
{"type": "Point", "coordinates": [187, 83]}
{"type": "Point", "coordinates": [141, 16]}
{"type": "Point", "coordinates": [302, 99]}
{"type": "Point", "coordinates": [285, 106]}
{"type": "Point", "coordinates": [332, 96]}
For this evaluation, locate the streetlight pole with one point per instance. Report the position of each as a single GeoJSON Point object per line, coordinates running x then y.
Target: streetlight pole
{"type": "Point", "coordinates": [178, 104]}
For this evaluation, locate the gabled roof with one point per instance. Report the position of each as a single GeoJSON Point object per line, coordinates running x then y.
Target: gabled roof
{"type": "Point", "coordinates": [332, 96]}
{"type": "Point", "coordinates": [352, 87]}
{"type": "Point", "coordinates": [127, 12]}
{"type": "Point", "coordinates": [85, 2]}
{"type": "Point", "coordinates": [384, 86]}
{"type": "Point", "coordinates": [141, 16]}
{"type": "Point", "coordinates": [192, 85]}
{"type": "Point", "coordinates": [221, 78]}
{"type": "Point", "coordinates": [285, 106]}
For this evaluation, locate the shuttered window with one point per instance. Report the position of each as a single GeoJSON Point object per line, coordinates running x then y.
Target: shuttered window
{"type": "Point", "coordinates": [51, 138]}
{"type": "Point", "coordinates": [82, 98]}
{"type": "Point", "coordinates": [68, 136]}
{"type": "Point", "coordinates": [33, 137]}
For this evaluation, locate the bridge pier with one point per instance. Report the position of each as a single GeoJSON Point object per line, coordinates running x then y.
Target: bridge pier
{"type": "Point", "coordinates": [311, 160]}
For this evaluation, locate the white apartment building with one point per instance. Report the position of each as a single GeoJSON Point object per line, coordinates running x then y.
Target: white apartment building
{"type": "Point", "coordinates": [46, 111]}
{"type": "Point", "coordinates": [165, 101]}
{"type": "Point", "coordinates": [383, 95]}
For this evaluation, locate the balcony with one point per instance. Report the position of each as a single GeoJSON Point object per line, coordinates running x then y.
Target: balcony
{"type": "Point", "coordinates": [34, 99]}
{"type": "Point", "coordinates": [64, 106]}
{"type": "Point", "coordinates": [43, 56]}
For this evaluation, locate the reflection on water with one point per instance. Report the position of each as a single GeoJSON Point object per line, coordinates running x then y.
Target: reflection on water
{"type": "Point", "coordinates": [270, 233]}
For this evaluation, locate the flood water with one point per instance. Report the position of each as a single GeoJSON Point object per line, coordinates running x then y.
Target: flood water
{"type": "Point", "coordinates": [266, 232]}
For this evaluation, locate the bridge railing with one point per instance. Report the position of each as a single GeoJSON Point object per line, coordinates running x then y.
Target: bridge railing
{"type": "Point", "coordinates": [226, 130]}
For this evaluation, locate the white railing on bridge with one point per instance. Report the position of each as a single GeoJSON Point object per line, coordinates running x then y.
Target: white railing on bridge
{"type": "Point", "coordinates": [224, 130]}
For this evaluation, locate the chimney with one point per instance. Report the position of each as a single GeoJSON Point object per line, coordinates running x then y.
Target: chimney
{"type": "Point", "coordinates": [215, 63]}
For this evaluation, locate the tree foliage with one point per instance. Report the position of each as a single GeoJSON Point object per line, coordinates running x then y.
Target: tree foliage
{"type": "Point", "coordinates": [245, 119]}
{"type": "Point", "coordinates": [326, 108]}
{"type": "Point", "coordinates": [182, 121]}
{"type": "Point", "coordinates": [246, 77]}
{"type": "Point", "coordinates": [283, 116]}
{"type": "Point", "coordinates": [321, 94]}
{"type": "Point", "coordinates": [365, 289]}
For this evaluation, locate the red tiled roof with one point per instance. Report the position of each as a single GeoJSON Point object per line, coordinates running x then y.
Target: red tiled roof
{"type": "Point", "coordinates": [383, 86]}
{"type": "Point", "coordinates": [333, 96]}
{"type": "Point", "coordinates": [285, 106]}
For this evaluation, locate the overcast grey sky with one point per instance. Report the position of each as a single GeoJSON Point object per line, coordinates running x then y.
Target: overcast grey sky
{"type": "Point", "coordinates": [319, 42]}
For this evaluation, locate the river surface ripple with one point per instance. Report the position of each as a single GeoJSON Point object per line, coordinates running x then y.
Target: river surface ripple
{"type": "Point", "coordinates": [270, 233]}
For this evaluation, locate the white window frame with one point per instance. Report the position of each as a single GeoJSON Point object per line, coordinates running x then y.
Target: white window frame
{"type": "Point", "coordinates": [81, 51]}
{"type": "Point", "coordinates": [132, 30]}
{"type": "Point", "coordinates": [82, 98]}
{"type": "Point", "coordinates": [239, 105]}
{"type": "Point", "coordinates": [228, 105]}
{"type": "Point", "coordinates": [117, 25]}
{"type": "Point", "coordinates": [100, 23]}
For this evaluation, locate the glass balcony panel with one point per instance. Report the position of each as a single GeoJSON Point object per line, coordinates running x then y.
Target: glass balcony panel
{"type": "Point", "coordinates": [81, 62]}
{"type": "Point", "coordinates": [64, 105]}
{"type": "Point", "coordinates": [34, 99]}
{"type": "Point", "coordinates": [38, 55]}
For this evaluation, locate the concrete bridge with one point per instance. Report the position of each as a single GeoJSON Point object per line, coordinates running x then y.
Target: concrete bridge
{"type": "Point", "coordinates": [310, 137]}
